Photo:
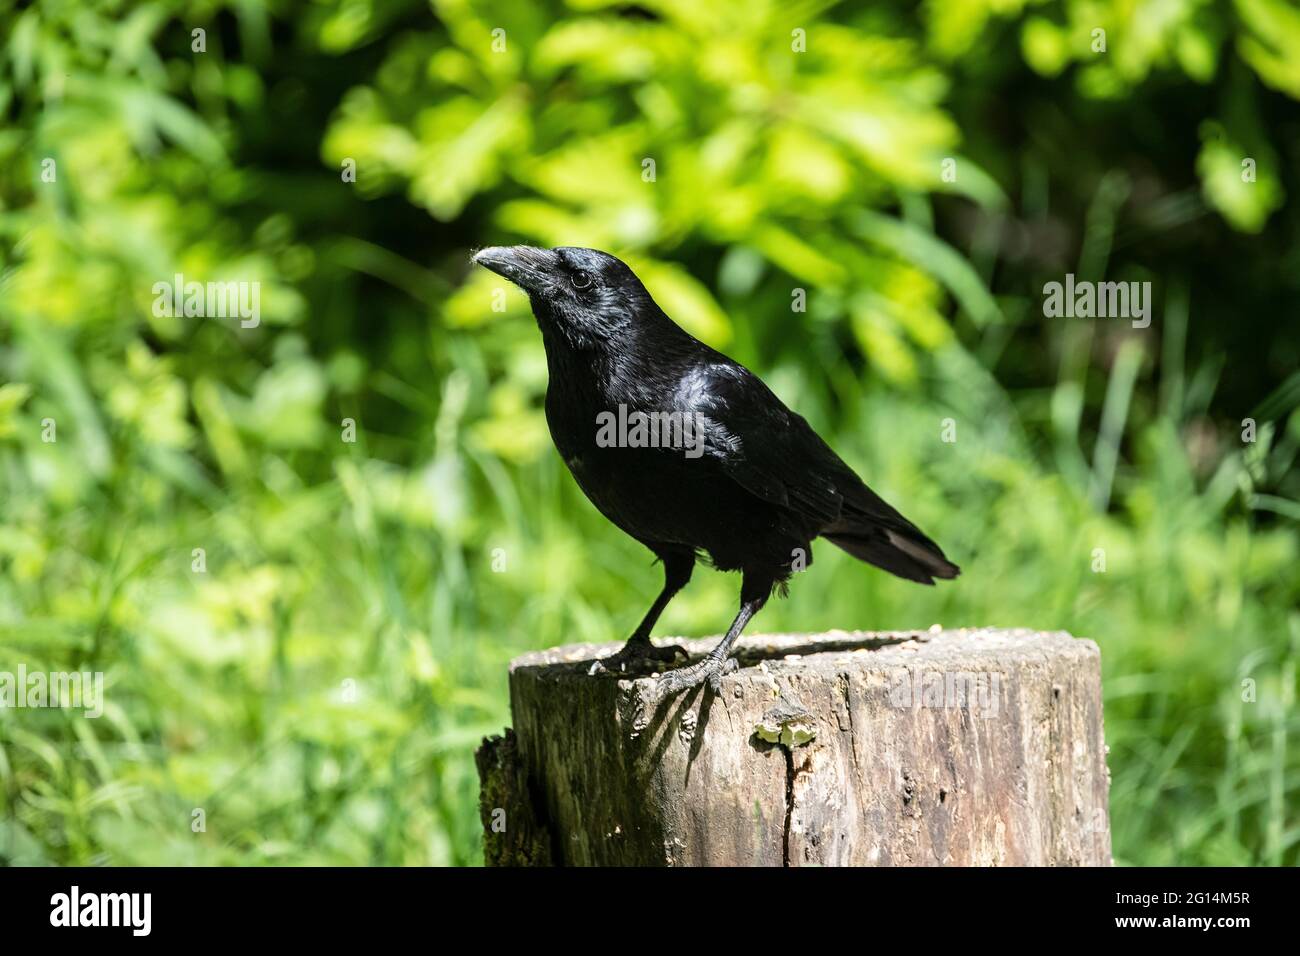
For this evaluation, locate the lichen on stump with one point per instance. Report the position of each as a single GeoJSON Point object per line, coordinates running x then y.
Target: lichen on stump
{"type": "Point", "coordinates": [960, 747]}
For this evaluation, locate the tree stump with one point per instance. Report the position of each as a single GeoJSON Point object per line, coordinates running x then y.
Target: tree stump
{"type": "Point", "coordinates": [973, 747]}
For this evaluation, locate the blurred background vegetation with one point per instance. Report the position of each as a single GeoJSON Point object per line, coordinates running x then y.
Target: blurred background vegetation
{"type": "Point", "coordinates": [318, 692]}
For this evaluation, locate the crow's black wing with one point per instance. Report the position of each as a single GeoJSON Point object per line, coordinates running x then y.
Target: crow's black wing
{"type": "Point", "coordinates": [764, 447]}
{"type": "Point", "coordinates": [774, 454]}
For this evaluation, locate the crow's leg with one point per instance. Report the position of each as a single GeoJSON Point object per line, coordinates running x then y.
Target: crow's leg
{"type": "Point", "coordinates": [755, 589]}
{"type": "Point", "coordinates": [638, 649]}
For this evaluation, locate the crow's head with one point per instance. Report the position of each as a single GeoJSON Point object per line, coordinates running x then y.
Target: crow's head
{"type": "Point", "coordinates": [587, 295]}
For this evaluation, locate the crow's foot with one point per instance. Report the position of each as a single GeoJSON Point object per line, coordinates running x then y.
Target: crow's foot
{"type": "Point", "coordinates": [710, 669]}
{"type": "Point", "coordinates": [637, 655]}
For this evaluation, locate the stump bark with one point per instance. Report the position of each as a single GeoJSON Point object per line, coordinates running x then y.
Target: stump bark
{"type": "Point", "coordinates": [961, 747]}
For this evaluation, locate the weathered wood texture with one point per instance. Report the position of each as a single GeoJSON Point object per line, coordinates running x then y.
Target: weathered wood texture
{"type": "Point", "coordinates": [965, 747]}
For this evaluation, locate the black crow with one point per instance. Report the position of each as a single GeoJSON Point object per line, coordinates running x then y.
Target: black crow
{"type": "Point", "coordinates": [689, 452]}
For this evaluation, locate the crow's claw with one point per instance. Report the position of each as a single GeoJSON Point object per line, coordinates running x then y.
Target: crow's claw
{"type": "Point", "coordinates": [636, 655]}
{"type": "Point", "coordinates": [710, 669]}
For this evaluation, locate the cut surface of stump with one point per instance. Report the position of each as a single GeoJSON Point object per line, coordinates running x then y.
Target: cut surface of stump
{"type": "Point", "coordinates": [943, 747]}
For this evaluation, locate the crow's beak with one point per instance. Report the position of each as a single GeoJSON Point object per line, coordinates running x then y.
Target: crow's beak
{"type": "Point", "coordinates": [526, 266]}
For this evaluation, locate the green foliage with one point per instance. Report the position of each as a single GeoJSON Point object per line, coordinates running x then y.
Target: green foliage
{"type": "Point", "coordinates": [316, 679]}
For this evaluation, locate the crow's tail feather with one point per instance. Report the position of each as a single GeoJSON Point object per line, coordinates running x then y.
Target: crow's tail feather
{"type": "Point", "coordinates": [903, 551]}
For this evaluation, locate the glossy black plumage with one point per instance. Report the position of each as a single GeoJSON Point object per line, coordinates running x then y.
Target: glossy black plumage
{"type": "Point", "coordinates": [751, 497]}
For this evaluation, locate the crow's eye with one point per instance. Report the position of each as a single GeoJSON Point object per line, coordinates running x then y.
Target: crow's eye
{"type": "Point", "coordinates": [581, 280]}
